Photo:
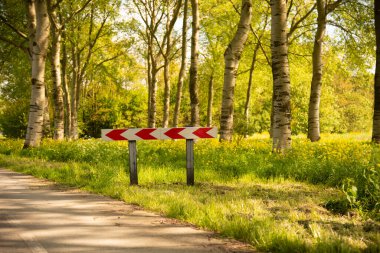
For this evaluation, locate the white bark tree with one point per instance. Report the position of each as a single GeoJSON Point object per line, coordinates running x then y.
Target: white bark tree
{"type": "Point", "coordinates": [231, 59]}
{"type": "Point", "coordinates": [251, 72]}
{"type": "Point", "coordinates": [281, 79]}
{"type": "Point", "coordinates": [55, 60]}
{"type": "Point", "coordinates": [210, 100]}
{"type": "Point", "coordinates": [61, 98]}
{"type": "Point", "coordinates": [39, 28]}
{"type": "Point", "coordinates": [182, 71]}
{"type": "Point", "coordinates": [324, 8]}
{"type": "Point", "coordinates": [159, 44]}
{"type": "Point", "coordinates": [170, 22]}
{"type": "Point", "coordinates": [82, 45]}
{"type": "Point", "coordinates": [376, 114]}
{"type": "Point", "coordinates": [193, 84]}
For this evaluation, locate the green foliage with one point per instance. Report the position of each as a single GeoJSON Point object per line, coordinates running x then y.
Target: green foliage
{"type": "Point", "coordinates": [350, 165]}
{"type": "Point", "coordinates": [122, 108]}
{"type": "Point", "coordinates": [364, 192]}
{"type": "Point", "coordinates": [14, 94]}
{"type": "Point", "coordinates": [13, 118]}
{"type": "Point", "coordinates": [317, 198]}
{"type": "Point", "coordinates": [114, 91]}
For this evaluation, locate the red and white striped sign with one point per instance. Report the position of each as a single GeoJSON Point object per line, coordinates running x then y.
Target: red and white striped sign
{"type": "Point", "coordinates": [134, 134]}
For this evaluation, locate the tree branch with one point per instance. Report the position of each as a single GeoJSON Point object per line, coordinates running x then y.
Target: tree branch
{"type": "Point", "coordinates": [56, 5]}
{"type": "Point", "coordinates": [172, 21]}
{"type": "Point", "coordinates": [76, 12]}
{"type": "Point", "coordinates": [290, 8]}
{"type": "Point", "coordinates": [299, 35]}
{"type": "Point", "coordinates": [12, 43]}
{"type": "Point", "coordinates": [108, 59]}
{"type": "Point", "coordinates": [296, 24]}
{"type": "Point", "coordinates": [330, 22]}
{"type": "Point", "coordinates": [331, 7]}
{"type": "Point", "coordinates": [255, 34]}
{"type": "Point", "coordinates": [18, 32]}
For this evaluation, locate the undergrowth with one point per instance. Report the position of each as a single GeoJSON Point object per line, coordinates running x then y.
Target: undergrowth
{"type": "Point", "coordinates": [319, 197]}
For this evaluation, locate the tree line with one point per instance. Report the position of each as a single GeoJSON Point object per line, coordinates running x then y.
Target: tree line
{"type": "Point", "coordinates": [282, 66]}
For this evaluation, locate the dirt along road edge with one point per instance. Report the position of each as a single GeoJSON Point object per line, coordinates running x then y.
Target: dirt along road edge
{"type": "Point", "coordinates": [37, 216]}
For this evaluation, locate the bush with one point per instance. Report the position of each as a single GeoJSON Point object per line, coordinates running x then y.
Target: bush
{"type": "Point", "coordinates": [14, 119]}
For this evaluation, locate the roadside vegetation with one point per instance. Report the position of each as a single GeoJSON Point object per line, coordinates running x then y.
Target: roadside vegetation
{"type": "Point", "coordinates": [319, 197]}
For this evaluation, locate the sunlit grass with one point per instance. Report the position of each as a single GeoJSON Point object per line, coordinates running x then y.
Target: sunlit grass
{"type": "Point", "coordinates": [277, 203]}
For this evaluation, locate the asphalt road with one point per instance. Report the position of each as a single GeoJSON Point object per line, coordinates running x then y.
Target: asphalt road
{"type": "Point", "coordinates": [37, 216]}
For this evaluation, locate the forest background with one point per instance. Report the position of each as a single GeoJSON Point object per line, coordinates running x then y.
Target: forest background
{"type": "Point", "coordinates": [107, 59]}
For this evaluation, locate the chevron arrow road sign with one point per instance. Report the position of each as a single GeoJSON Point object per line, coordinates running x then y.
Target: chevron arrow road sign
{"type": "Point", "coordinates": [134, 134]}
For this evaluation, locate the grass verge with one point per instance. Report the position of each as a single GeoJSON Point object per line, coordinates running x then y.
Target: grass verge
{"type": "Point", "coordinates": [302, 202]}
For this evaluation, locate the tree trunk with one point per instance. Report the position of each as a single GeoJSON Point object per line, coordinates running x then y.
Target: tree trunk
{"type": "Point", "coordinates": [165, 120]}
{"type": "Point", "coordinates": [32, 23]}
{"type": "Point", "coordinates": [66, 92]}
{"type": "Point", "coordinates": [74, 96]}
{"type": "Point", "coordinates": [249, 88]}
{"type": "Point", "coordinates": [39, 43]}
{"type": "Point", "coordinates": [182, 71]}
{"type": "Point", "coordinates": [149, 75]}
{"type": "Point", "coordinates": [316, 83]}
{"type": "Point", "coordinates": [376, 114]}
{"type": "Point", "coordinates": [153, 95]}
{"type": "Point", "coordinates": [152, 74]}
{"type": "Point", "coordinates": [57, 78]}
{"type": "Point", "coordinates": [210, 99]}
{"type": "Point", "coordinates": [193, 85]}
{"type": "Point", "coordinates": [170, 22]}
{"type": "Point", "coordinates": [281, 79]}
{"type": "Point", "coordinates": [46, 128]}
{"type": "Point", "coordinates": [231, 59]}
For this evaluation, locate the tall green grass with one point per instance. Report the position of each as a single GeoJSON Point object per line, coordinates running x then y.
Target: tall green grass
{"type": "Point", "coordinates": [319, 197]}
{"type": "Point", "coordinates": [336, 163]}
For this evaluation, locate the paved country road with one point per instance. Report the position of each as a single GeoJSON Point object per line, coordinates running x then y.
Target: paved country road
{"type": "Point", "coordinates": [38, 216]}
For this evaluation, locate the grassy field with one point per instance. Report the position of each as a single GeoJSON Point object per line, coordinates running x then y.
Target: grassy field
{"type": "Point", "coordinates": [319, 197]}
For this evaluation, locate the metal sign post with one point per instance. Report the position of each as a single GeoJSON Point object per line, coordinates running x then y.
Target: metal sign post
{"type": "Point", "coordinates": [133, 134]}
{"type": "Point", "coordinates": [133, 163]}
{"type": "Point", "coordinates": [190, 162]}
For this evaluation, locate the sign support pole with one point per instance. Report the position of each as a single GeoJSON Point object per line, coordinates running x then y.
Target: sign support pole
{"type": "Point", "coordinates": [133, 134]}
{"type": "Point", "coordinates": [132, 162]}
{"type": "Point", "coordinates": [190, 161]}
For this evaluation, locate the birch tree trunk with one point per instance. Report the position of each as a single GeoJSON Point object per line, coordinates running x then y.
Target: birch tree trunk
{"type": "Point", "coordinates": [165, 121]}
{"type": "Point", "coordinates": [170, 22]}
{"type": "Point", "coordinates": [193, 85]}
{"type": "Point", "coordinates": [73, 96]}
{"type": "Point", "coordinates": [313, 132]}
{"type": "Point", "coordinates": [153, 94]}
{"type": "Point", "coordinates": [376, 114]}
{"type": "Point", "coordinates": [210, 99]}
{"type": "Point", "coordinates": [249, 88]}
{"type": "Point", "coordinates": [231, 59]}
{"type": "Point", "coordinates": [149, 76]}
{"type": "Point", "coordinates": [281, 80]}
{"type": "Point", "coordinates": [182, 71]}
{"type": "Point", "coordinates": [39, 42]}
{"type": "Point", "coordinates": [32, 23]}
{"type": "Point", "coordinates": [323, 9]}
{"type": "Point", "coordinates": [152, 75]}
{"type": "Point", "coordinates": [66, 92]}
{"type": "Point", "coordinates": [57, 78]}
{"type": "Point", "coordinates": [81, 56]}
{"type": "Point", "coordinates": [46, 128]}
